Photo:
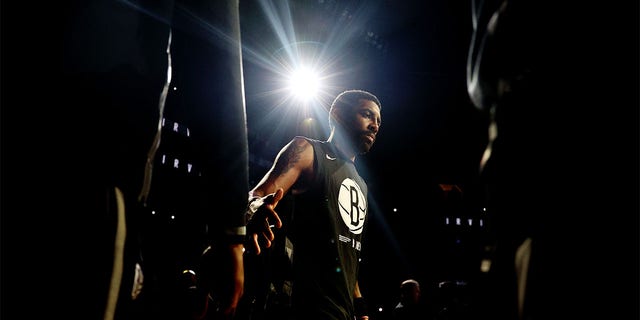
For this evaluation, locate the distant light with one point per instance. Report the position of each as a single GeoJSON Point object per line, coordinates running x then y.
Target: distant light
{"type": "Point", "coordinates": [307, 125]}
{"type": "Point", "coordinates": [304, 83]}
{"type": "Point", "coordinates": [485, 265]}
{"type": "Point", "coordinates": [395, 209]}
{"type": "Point", "coordinates": [379, 309]}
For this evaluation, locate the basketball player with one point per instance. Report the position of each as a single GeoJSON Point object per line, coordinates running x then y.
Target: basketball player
{"type": "Point", "coordinates": [330, 210]}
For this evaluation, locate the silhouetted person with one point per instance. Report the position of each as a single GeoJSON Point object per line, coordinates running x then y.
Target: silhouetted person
{"type": "Point", "coordinates": [410, 305]}
{"type": "Point", "coordinates": [530, 65]}
{"type": "Point", "coordinates": [150, 164]}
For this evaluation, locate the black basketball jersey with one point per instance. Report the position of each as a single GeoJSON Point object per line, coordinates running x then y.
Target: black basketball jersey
{"type": "Point", "coordinates": [328, 225]}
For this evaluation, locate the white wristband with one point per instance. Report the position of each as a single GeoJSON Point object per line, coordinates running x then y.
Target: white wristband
{"type": "Point", "coordinates": [254, 205]}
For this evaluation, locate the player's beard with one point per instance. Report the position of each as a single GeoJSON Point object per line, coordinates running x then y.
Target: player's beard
{"type": "Point", "coordinates": [362, 142]}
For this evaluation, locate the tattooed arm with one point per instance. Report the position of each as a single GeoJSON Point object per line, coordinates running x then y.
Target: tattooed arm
{"type": "Point", "coordinates": [293, 166]}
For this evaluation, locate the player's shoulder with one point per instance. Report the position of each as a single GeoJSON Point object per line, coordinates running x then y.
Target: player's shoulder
{"type": "Point", "coordinates": [302, 141]}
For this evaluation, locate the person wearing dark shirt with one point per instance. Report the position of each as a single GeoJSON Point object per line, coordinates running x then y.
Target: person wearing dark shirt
{"type": "Point", "coordinates": [410, 306]}
{"type": "Point", "coordinates": [330, 210]}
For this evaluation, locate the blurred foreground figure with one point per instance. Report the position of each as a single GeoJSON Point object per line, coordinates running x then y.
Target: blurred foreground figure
{"type": "Point", "coordinates": [507, 78]}
{"type": "Point", "coordinates": [158, 156]}
{"type": "Point", "coordinates": [533, 67]}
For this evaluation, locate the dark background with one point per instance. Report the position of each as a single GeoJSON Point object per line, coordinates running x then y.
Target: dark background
{"type": "Point", "coordinates": [412, 55]}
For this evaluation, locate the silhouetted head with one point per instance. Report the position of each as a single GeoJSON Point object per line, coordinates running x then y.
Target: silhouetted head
{"type": "Point", "coordinates": [410, 291]}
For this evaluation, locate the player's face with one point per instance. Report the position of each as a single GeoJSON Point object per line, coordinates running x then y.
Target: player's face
{"type": "Point", "coordinates": [364, 125]}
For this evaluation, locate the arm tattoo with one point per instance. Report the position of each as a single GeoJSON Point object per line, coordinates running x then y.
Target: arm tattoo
{"type": "Point", "coordinates": [290, 158]}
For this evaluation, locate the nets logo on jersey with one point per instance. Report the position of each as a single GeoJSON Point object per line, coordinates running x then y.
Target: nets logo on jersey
{"type": "Point", "coordinates": [352, 204]}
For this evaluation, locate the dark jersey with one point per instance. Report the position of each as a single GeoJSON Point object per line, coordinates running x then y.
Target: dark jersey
{"type": "Point", "coordinates": [328, 223]}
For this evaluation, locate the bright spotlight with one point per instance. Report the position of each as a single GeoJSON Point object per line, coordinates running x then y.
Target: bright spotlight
{"type": "Point", "coordinates": [304, 84]}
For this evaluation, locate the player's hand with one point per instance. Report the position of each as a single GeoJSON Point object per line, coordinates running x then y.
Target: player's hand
{"type": "Point", "coordinates": [259, 226]}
